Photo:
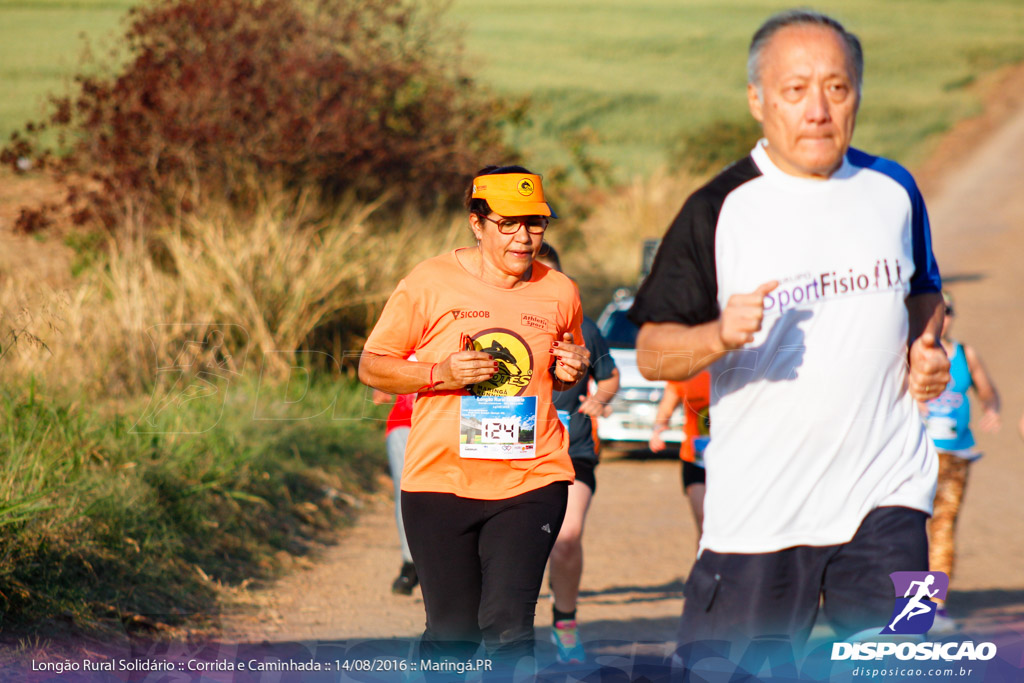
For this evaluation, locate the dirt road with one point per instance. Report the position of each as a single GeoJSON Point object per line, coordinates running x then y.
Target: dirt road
{"type": "Point", "coordinates": [638, 546]}
{"type": "Point", "coordinates": [640, 539]}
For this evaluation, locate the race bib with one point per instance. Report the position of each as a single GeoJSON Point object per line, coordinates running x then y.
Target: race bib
{"type": "Point", "coordinates": [941, 428]}
{"type": "Point", "coordinates": [700, 443]}
{"type": "Point", "coordinates": [498, 427]}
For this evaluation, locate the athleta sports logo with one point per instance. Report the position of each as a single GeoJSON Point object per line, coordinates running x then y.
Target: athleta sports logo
{"type": "Point", "coordinates": [537, 321]}
{"type": "Point", "coordinates": [458, 315]}
{"type": "Point", "coordinates": [914, 611]}
{"type": "Point", "coordinates": [514, 360]}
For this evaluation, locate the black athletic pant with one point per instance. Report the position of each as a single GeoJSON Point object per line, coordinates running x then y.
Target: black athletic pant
{"type": "Point", "coordinates": [480, 564]}
{"type": "Point", "coordinates": [732, 597]}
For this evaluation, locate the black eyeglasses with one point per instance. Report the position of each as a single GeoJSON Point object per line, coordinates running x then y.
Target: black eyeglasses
{"type": "Point", "coordinates": [535, 225]}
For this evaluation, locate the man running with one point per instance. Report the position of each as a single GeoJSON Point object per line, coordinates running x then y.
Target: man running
{"type": "Point", "coordinates": [803, 275]}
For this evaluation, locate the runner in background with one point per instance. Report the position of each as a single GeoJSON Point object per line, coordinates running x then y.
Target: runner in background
{"type": "Point", "coordinates": [396, 432]}
{"type": "Point", "coordinates": [695, 396]}
{"type": "Point", "coordinates": [947, 419]}
{"type": "Point", "coordinates": [487, 466]}
{"type": "Point", "coordinates": [577, 411]}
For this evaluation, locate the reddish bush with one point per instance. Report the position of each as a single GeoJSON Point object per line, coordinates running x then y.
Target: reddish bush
{"type": "Point", "coordinates": [219, 98]}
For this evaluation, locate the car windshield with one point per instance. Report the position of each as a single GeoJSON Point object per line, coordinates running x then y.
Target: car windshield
{"type": "Point", "coordinates": [619, 331]}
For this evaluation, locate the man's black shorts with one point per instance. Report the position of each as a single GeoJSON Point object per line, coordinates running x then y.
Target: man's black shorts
{"type": "Point", "coordinates": [737, 597]}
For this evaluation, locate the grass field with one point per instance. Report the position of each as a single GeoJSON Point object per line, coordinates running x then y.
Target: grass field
{"type": "Point", "coordinates": [42, 43]}
{"type": "Point", "coordinates": [624, 79]}
{"type": "Point", "coordinates": [641, 74]}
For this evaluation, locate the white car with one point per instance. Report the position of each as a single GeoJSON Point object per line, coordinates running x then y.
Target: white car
{"type": "Point", "coordinates": [636, 405]}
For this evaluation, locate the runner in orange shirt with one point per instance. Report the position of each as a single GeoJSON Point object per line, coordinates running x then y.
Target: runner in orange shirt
{"type": "Point", "coordinates": [695, 396]}
{"type": "Point", "coordinates": [487, 468]}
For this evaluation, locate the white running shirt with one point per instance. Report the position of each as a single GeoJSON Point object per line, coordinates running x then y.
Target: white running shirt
{"type": "Point", "coordinates": [811, 423]}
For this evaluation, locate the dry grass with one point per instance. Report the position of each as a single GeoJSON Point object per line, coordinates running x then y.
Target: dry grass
{"type": "Point", "coordinates": [614, 233]}
{"type": "Point", "coordinates": [217, 291]}
{"type": "Point", "coordinates": [241, 295]}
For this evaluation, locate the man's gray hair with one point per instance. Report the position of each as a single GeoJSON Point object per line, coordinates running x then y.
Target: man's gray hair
{"type": "Point", "coordinates": [801, 17]}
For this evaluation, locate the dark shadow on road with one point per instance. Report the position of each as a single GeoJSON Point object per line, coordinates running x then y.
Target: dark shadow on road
{"type": "Point", "coordinates": [963, 277]}
{"type": "Point", "coordinates": [670, 590]}
{"type": "Point", "coordinates": [671, 452]}
{"type": "Point", "coordinates": [616, 634]}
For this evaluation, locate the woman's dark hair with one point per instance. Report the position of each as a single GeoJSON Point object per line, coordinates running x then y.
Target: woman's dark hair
{"type": "Point", "coordinates": [481, 206]}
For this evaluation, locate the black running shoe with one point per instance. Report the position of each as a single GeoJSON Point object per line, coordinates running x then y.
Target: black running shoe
{"type": "Point", "coordinates": [406, 580]}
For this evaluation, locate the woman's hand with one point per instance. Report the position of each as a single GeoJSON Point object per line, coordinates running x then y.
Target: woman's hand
{"type": "Point", "coordinates": [571, 360]}
{"type": "Point", "coordinates": [463, 368]}
{"type": "Point", "coordinates": [990, 420]}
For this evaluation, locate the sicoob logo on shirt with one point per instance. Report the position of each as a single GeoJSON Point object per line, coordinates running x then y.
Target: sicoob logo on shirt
{"type": "Point", "coordinates": [458, 315]}
{"type": "Point", "coordinates": [515, 363]}
{"type": "Point", "coordinates": [914, 611]}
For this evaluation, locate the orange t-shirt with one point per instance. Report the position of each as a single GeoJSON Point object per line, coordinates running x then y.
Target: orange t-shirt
{"type": "Point", "coordinates": [430, 313]}
{"type": "Point", "coordinates": [696, 395]}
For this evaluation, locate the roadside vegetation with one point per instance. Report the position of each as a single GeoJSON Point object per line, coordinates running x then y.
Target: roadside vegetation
{"type": "Point", "coordinates": [212, 102]}
{"type": "Point", "coordinates": [129, 520]}
{"type": "Point", "coordinates": [183, 416]}
{"type": "Point", "coordinates": [607, 80]}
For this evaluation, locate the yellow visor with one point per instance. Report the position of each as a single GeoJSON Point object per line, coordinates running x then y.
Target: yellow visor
{"type": "Point", "coordinates": [512, 194]}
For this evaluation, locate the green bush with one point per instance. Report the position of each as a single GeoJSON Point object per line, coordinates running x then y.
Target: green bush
{"type": "Point", "coordinates": [104, 529]}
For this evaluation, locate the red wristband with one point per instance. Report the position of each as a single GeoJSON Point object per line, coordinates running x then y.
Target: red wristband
{"type": "Point", "coordinates": [430, 382]}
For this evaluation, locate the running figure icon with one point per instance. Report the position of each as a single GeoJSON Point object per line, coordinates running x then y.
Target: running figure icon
{"type": "Point", "coordinates": [915, 607]}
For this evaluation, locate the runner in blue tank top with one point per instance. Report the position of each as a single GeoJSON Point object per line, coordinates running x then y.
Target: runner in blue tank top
{"type": "Point", "coordinates": [948, 420]}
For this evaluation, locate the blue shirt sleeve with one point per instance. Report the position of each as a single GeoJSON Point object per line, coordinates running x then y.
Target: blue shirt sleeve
{"type": "Point", "coordinates": [926, 270]}
{"type": "Point", "coordinates": [926, 276]}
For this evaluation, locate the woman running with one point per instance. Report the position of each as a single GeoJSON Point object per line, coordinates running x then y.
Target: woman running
{"type": "Point", "coordinates": [948, 420]}
{"type": "Point", "coordinates": [487, 468]}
